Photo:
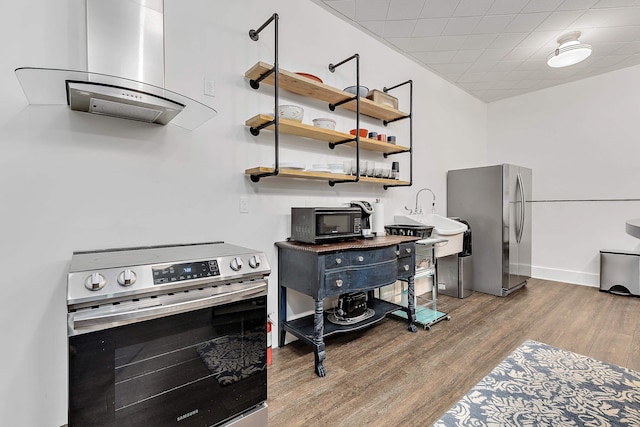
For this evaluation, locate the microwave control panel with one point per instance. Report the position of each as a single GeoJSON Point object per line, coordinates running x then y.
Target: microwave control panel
{"type": "Point", "coordinates": [185, 271]}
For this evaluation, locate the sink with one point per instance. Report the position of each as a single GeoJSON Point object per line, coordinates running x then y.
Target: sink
{"type": "Point", "coordinates": [443, 228]}
{"type": "Point", "coordinates": [633, 227]}
{"type": "Point", "coordinates": [441, 225]}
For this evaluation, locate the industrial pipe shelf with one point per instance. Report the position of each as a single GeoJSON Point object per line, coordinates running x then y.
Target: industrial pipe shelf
{"type": "Point", "coordinates": [301, 85]}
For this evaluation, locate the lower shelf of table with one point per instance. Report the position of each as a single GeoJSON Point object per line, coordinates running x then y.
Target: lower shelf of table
{"type": "Point", "coordinates": [303, 327]}
{"type": "Point", "coordinates": [426, 317]}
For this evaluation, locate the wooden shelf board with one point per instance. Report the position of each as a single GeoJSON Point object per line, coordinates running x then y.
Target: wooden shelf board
{"type": "Point", "coordinates": [308, 131]}
{"type": "Point", "coordinates": [304, 86]}
{"type": "Point", "coordinates": [296, 173]}
{"type": "Point", "coordinates": [326, 176]}
{"type": "Point", "coordinates": [386, 181]}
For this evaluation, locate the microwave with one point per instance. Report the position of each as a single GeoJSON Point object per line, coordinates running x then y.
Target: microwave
{"type": "Point", "coordinates": [322, 225]}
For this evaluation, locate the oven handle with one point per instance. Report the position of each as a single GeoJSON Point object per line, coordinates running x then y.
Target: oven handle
{"type": "Point", "coordinates": [93, 320]}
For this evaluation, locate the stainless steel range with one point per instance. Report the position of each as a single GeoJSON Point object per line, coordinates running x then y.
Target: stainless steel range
{"type": "Point", "coordinates": [168, 335]}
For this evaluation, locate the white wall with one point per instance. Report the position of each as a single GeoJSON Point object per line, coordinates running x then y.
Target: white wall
{"type": "Point", "coordinates": [71, 181]}
{"type": "Point", "coordinates": [581, 140]}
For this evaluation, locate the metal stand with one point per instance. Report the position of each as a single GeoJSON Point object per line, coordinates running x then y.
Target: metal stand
{"type": "Point", "coordinates": [427, 314]}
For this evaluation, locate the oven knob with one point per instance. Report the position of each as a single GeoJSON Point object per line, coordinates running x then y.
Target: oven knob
{"type": "Point", "coordinates": [236, 264]}
{"type": "Point", "coordinates": [127, 277]}
{"type": "Point", "coordinates": [95, 282]}
{"type": "Point", "coordinates": [254, 261]}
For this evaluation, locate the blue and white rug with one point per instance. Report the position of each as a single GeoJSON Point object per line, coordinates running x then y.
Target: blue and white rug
{"type": "Point", "coordinates": [540, 385]}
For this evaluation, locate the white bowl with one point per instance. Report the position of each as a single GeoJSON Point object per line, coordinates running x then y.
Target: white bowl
{"type": "Point", "coordinates": [323, 123]}
{"type": "Point", "coordinates": [364, 91]}
{"type": "Point", "coordinates": [291, 112]}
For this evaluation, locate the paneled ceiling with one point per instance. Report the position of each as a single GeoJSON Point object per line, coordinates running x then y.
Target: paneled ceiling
{"type": "Point", "coordinates": [496, 49]}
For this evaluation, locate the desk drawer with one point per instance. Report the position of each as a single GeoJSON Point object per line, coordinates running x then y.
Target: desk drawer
{"type": "Point", "coordinates": [406, 249]}
{"type": "Point", "coordinates": [365, 257]}
{"type": "Point", "coordinates": [337, 260]}
{"type": "Point", "coordinates": [358, 278]}
{"type": "Point", "coordinates": [406, 267]}
{"type": "Point", "coordinates": [373, 256]}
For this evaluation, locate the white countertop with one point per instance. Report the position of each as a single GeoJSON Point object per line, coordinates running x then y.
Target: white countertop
{"type": "Point", "coordinates": [431, 241]}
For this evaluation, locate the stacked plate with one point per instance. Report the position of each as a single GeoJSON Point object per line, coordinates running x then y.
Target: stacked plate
{"type": "Point", "coordinates": [319, 167]}
{"type": "Point", "coordinates": [291, 165]}
{"type": "Point", "coordinates": [327, 167]}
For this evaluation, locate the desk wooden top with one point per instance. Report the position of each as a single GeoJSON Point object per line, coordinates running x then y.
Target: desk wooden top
{"type": "Point", "coordinates": [376, 242]}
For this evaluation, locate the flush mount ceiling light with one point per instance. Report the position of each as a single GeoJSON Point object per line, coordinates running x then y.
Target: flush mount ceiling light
{"type": "Point", "coordinates": [569, 51]}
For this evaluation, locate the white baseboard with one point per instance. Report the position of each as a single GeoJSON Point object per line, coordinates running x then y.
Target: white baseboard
{"type": "Point", "coordinates": [567, 276]}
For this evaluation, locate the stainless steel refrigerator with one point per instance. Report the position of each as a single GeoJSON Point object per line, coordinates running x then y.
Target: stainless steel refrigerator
{"type": "Point", "coordinates": [495, 200]}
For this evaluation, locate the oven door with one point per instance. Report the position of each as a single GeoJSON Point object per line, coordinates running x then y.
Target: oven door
{"type": "Point", "coordinates": [195, 368]}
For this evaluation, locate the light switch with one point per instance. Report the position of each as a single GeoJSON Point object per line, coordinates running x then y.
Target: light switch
{"type": "Point", "coordinates": [209, 86]}
{"type": "Point", "coordinates": [244, 205]}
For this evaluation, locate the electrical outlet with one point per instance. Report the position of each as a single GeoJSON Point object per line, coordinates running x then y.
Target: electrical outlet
{"type": "Point", "coordinates": [209, 86]}
{"type": "Point", "coordinates": [244, 205]}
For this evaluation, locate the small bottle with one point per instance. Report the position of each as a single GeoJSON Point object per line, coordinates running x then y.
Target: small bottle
{"type": "Point", "coordinates": [395, 170]}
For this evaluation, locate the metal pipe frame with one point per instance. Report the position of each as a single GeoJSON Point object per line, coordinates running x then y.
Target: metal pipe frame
{"type": "Point", "coordinates": [410, 116]}
{"type": "Point", "coordinates": [255, 84]}
{"type": "Point", "coordinates": [332, 68]}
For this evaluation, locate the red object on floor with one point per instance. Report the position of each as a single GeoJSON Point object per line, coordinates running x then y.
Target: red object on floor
{"type": "Point", "coordinates": [269, 349]}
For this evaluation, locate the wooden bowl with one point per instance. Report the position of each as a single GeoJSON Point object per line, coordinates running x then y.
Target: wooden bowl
{"type": "Point", "coordinates": [310, 76]}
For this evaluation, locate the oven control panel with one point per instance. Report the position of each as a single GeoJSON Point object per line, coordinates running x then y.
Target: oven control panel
{"type": "Point", "coordinates": [185, 271]}
{"type": "Point", "coordinates": [121, 275]}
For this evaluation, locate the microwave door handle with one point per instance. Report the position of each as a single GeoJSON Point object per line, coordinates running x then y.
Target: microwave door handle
{"type": "Point", "coordinates": [98, 320]}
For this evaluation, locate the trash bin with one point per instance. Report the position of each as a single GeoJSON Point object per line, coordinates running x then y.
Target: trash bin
{"type": "Point", "coordinates": [620, 272]}
{"type": "Point", "coordinates": [454, 271]}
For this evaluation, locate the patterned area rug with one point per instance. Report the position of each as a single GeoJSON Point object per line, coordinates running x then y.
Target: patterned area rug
{"type": "Point", "coordinates": [540, 385]}
{"type": "Point", "coordinates": [233, 358]}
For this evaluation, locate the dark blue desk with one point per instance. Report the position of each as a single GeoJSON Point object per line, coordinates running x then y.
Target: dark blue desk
{"type": "Point", "coordinates": [325, 270]}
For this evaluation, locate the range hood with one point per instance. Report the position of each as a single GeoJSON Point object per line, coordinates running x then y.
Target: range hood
{"type": "Point", "coordinates": [125, 70]}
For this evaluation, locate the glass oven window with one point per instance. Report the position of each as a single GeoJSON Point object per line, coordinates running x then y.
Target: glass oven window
{"type": "Point", "coordinates": [196, 368]}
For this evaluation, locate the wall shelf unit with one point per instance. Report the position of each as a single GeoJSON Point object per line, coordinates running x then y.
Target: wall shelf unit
{"type": "Point", "coordinates": [275, 76]}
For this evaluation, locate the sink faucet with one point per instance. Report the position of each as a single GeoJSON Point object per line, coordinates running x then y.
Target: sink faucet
{"type": "Point", "coordinates": [418, 209]}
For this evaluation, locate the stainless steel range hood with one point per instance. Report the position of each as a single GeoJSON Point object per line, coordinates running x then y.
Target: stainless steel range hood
{"type": "Point", "coordinates": [125, 69]}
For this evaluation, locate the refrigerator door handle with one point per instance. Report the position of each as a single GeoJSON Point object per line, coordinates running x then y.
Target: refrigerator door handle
{"type": "Point", "coordinates": [522, 208]}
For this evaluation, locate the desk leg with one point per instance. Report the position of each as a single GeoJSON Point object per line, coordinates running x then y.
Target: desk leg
{"type": "Point", "coordinates": [282, 314]}
{"type": "Point", "coordinates": [318, 338]}
{"type": "Point", "coordinates": [411, 305]}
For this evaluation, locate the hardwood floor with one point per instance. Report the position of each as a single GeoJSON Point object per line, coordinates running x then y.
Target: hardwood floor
{"type": "Point", "coordinates": [387, 376]}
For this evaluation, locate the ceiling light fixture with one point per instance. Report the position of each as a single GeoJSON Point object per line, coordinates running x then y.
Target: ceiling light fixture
{"type": "Point", "coordinates": [569, 51]}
